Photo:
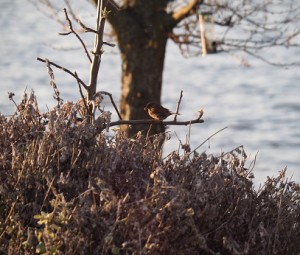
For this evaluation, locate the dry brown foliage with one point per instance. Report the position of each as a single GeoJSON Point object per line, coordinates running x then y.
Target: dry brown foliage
{"type": "Point", "coordinates": [68, 189]}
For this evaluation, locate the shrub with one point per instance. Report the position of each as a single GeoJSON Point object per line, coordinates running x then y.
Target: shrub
{"type": "Point", "coordinates": [67, 188]}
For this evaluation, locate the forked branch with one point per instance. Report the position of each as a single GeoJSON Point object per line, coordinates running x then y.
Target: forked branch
{"type": "Point", "coordinates": [76, 34]}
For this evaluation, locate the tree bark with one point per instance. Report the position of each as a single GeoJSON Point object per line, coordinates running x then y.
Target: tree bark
{"type": "Point", "coordinates": [141, 29]}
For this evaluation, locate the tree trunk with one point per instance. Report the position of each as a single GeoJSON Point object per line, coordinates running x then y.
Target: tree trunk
{"type": "Point", "coordinates": [142, 32]}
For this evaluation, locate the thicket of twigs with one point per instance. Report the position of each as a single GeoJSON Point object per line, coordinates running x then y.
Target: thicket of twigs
{"type": "Point", "coordinates": [66, 188]}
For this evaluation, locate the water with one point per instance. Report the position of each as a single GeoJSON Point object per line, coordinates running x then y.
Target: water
{"type": "Point", "coordinates": [259, 105]}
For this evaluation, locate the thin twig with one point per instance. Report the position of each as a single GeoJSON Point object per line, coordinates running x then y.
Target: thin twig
{"type": "Point", "coordinates": [148, 132]}
{"type": "Point", "coordinates": [47, 193]}
{"type": "Point", "coordinates": [180, 143]}
{"type": "Point", "coordinates": [206, 141]}
{"type": "Point", "coordinates": [113, 102]}
{"type": "Point", "coordinates": [76, 34]}
{"type": "Point", "coordinates": [67, 2]}
{"type": "Point", "coordinates": [81, 94]}
{"type": "Point", "coordinates": [66, 70]}
{"type": "Point", "coordinates": [252, 164]}
{"type": "Point", "coordinates": [65, 33]}
{"type": "Point", "coordinates": [85, 28]}
{"type": "Point", "coordinates": [109, 44]}
{"type": "Point", "coordinates": [178, 105]}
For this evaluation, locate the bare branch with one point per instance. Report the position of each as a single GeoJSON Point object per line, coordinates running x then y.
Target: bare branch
{"type": "Point", "coordinates": [85, 28]}
{"type": "Point", "coordinates": [81, 94]}
{"type": "Point", "coordinates": [178, 105]}
{"type": "Point", "coordinates": [153, 122]}
{"type": "Point", "coordinates": [149, 122]}
{"type": "Point", "coordinates": [186, 10]}
{"type": "Point", "coordinates": [76, 34]}
{"type": "Point", "coordinates": [73, 15]}
{"type": "Point", "coordinates": [113, 102]}
{"type": "Point", "coordinates": [270, 62]}
{"type": "Point", "coordinates": [207, 139]}
{"type": "Point", "coordinates": [95, 65]}
{"type": "Point", "coordinates": [233, 27]}
{"type": "Point", "coordinates": [109, 44]}
{"type": "Point", "coordinates": [51, 9]}
{"type": "Point", "coordinates": [66, 70]}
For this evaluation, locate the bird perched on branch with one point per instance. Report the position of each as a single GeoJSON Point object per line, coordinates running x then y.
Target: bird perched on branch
{"type": "Point", "coordinates": [158, 112]}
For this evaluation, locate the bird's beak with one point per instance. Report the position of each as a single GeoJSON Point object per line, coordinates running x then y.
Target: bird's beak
{"type": "Point", "coordinates": [145, 109]}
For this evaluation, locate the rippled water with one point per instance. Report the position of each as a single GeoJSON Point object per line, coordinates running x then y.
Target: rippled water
{"type": "Point", "coordinates": [259, 105]}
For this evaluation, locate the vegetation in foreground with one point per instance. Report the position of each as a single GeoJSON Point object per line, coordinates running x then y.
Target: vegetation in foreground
{"type": "Point", "coordinates": [67, 188]}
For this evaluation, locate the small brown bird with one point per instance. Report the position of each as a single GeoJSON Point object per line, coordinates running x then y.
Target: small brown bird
{"type": "Point", "coordinates": [158, 112]}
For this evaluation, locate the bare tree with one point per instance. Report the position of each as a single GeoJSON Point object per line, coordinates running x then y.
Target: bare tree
{"type": "Point", "coordinates": [142, 29]}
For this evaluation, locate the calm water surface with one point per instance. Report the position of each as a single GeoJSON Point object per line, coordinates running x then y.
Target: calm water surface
{"type": "Point", "coordinates": [259, 105]}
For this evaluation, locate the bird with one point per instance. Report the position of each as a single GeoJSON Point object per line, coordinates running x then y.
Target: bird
{"type": "Point", "coordinates": [158, 112]}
